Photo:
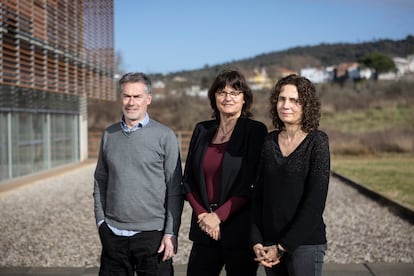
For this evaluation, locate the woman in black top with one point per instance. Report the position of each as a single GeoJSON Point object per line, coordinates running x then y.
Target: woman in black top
{"type": "Point", "coordinates": [288, 231]}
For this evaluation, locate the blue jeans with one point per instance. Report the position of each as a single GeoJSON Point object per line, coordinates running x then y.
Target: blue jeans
{"type": "Point", "coordinates": [306, 260]}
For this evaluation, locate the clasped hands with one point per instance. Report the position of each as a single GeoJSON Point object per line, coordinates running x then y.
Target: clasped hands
{"type": "Point", "coordinates": [266, 255]}
{"type": "Point", "coordinates": [210, 223]}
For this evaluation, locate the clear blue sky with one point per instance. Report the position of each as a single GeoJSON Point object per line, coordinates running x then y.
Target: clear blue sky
{"type": "Point", "coordinates": [163, 36]}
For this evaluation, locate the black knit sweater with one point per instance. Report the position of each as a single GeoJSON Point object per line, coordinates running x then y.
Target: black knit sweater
{"type": "Point", "coordinates": [290, 193]}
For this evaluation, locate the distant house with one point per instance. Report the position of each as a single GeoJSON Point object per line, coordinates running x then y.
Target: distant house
{"type": "Point", "coordinates": [259, 80]}
{"type": "Point", "coordinates": [347, 71]}
{"type": "Point", "coordinates": [159, 90]}
{"type": "Point", "coordinates": [317, 75]}
{"type": "Point", "coordinates": [158, 84]}
{"type": "Point", "coordinates": [402, 66]}
{"type": "Point", "coordinates": [366, 73]}
{"type": "Point", "coordinates": [388, 76]}
{"type": "Point", "coordinates": [195, 91]}
{"type": "Point", "coordinates": [179, 79]}
{"type": "Point", "coordinates": [410, 59]}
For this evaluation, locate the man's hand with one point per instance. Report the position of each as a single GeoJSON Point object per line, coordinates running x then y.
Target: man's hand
{"type": "Point", "coordinates": [169, 245]}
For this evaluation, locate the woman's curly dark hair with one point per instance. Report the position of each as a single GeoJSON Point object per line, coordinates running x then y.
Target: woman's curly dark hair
{"type": "Point", "coordinates": [311, 105]}
{"type": "Point", "coordinates": [233, 78]}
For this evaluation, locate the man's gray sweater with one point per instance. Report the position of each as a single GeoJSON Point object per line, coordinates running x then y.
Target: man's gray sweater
{"type": "Point", "coordinates": [138, 179]}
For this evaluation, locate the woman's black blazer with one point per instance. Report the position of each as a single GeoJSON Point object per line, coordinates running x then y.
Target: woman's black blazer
{"type": "Point", "coordinates": [238, 175]}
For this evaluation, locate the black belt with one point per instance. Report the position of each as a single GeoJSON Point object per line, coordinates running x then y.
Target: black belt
{"type": "Point", "coordinates": [212, 207]}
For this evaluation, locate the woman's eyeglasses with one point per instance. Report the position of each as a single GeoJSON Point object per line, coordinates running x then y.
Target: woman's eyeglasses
{"type": "Point", "coordinates": [233, 94]}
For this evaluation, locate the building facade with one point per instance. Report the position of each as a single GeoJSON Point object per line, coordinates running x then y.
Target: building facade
{"type": "Point", "coordinates": [54, 56]}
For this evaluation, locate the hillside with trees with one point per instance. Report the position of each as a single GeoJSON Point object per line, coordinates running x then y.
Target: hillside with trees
{"type": "Point", "coordinates": [363, 117]}
{"type": "Point", "coordinates": [304, 56]}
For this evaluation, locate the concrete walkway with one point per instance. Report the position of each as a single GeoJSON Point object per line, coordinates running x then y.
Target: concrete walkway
{"type": "Point", "coordinates": [374, 269]}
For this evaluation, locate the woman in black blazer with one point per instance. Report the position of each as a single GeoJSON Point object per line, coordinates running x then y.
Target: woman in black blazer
{"type": "Point", "coordinates": [219, 174]}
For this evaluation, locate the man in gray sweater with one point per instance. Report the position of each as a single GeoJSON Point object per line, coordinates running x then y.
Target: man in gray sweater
{"type": "Point", "coordinates": [138, 196]}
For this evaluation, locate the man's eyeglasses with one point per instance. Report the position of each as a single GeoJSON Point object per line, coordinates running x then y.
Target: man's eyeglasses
{"type": "Point", "coordinates": [233, 94]}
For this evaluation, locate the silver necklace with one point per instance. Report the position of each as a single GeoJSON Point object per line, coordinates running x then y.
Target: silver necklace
{"type": "Point", "coordinates": [224, 134]}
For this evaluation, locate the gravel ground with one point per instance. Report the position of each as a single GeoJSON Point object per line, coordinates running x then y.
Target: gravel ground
{"type": "Point", "coordinates": [50, 223]}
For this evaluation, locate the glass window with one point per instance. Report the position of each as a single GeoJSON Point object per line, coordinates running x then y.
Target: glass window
{"type": "Point", "coordinates": [21, 143]}
{"type": "Point", "coordinates": [4, 147]}
{"type": "Point", "coordinates": [40, 142]}
{"type": "Point", "coordinates": [64, 139]}
{"type": "Point", "coordinates": [38, 131]}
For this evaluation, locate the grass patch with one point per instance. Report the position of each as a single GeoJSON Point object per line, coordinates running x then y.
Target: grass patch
{"type": "Point", "coordinates": [369, 120]}
{"type": "Point", "coordinates": [391, 175]}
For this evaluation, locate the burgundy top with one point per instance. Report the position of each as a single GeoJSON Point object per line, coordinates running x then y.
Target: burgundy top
{"type": "Point", "coordinates": [212, 163]}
